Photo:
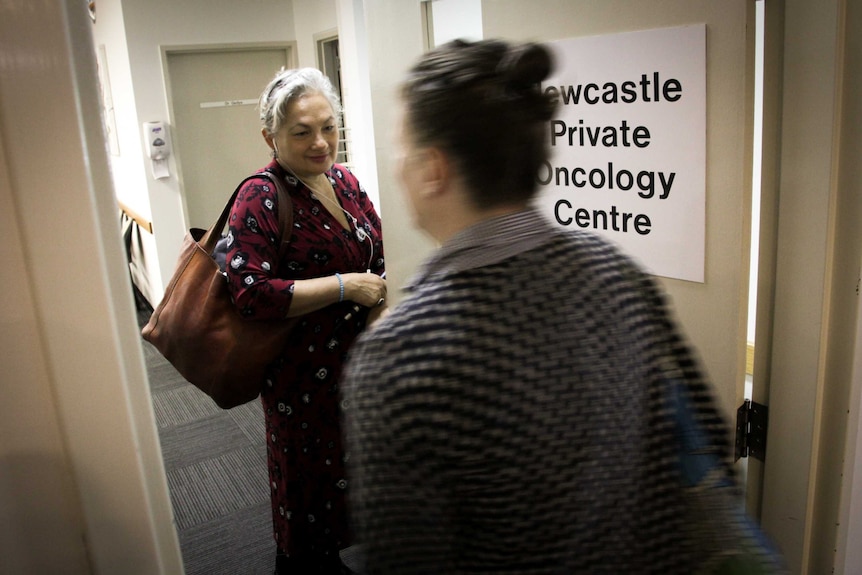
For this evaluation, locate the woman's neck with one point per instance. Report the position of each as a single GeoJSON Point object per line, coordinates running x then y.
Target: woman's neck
{"type": "Point", "coordinates": [321, 185]}
{"type": "Point", "coordinates": [465, 216]}
{"type": "Point", "coordinates": [319, 182]}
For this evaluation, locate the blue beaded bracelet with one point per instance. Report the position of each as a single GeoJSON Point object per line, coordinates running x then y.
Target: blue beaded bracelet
{"type": "Point", "coordinates": [340, 287]}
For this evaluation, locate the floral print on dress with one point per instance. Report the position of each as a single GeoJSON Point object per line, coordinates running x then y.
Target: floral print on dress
{"type": "Point", "coordinates": [300, 398]}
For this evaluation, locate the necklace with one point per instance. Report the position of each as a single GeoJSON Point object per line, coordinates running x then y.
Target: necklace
{"type": "Point", "coordinates": [360, 233]}
{"type": "Point", "coordinates": [319, 195]}
{"type": "Point", "coordinates": [332, 202]}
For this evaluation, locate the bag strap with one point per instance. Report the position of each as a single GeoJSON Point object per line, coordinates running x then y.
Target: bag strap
{"type": "Point", "coordinates": [285, 211]}
{"type": "Point", "coordinates": [285, 214]}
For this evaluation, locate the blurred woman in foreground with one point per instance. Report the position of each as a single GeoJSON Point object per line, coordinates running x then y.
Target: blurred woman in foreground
{"type": "Point", "coordinates": [531, 406]}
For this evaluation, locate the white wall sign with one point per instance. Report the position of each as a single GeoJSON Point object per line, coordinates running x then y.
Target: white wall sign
{"type": "Point", "coordinates": [628, 144]}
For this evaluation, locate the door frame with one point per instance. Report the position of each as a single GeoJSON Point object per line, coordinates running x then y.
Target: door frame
{"type": "Point", "coordinates": [290, 49]}
{"type": "Point", "coordinates": [334, 74]}
{"type": "Point", "coordinates": [811, 348]}
{"type": "Point", "coordinates": [848, 554]}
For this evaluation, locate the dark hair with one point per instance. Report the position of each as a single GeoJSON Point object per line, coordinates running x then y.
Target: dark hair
{"type": "Point", "coordinates": [482, 102]}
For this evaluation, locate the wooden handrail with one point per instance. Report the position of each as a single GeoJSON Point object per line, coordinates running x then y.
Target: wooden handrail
{"type": "Point", "coordinates": [143, 223]}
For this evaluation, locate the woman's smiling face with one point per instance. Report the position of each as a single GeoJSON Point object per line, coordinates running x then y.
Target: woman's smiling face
{"type": "Point", "coordinates": [307, 142]}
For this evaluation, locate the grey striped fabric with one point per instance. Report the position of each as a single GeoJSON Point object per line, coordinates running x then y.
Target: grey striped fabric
{"type": "Point", "coordinates": [519, 412]}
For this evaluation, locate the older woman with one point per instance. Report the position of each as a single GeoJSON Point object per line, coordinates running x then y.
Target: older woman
{"type": "Point", "coordinates": [330, 276]}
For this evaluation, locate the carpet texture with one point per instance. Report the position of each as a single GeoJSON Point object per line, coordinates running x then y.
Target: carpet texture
{"type": "Point", "coordinates": [215, 461]}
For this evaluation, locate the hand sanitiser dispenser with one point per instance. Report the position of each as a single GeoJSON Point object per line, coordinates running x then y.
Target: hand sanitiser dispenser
{"type": "Point", "coordinates": [158, 147]}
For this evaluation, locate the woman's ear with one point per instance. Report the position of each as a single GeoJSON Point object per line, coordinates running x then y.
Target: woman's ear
{"type": "Point", "coordinates": [436, 171]}
{"type": "Point", "coordinates": [267, 138]}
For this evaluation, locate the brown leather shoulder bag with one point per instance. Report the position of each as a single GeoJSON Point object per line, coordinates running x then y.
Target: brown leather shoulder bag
{"type": "Point", "coordinates": [198, 328]}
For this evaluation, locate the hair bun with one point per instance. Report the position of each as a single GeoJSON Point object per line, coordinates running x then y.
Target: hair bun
{"type": "Point", "coordinates": [521, 70]}
{"type": "Point", "coordinates": [524, 66]}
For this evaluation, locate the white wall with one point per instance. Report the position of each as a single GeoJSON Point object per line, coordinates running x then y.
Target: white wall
{"type": "Point", "coordinates": [395, 41]}
{"type": "Point", "coordinates": [312, 18]}
{"type": "Point", "coordinates": [135, 34]}
{"type": "Point", "coordinates": [756, 176]}
{"type": "Point", "coordinates": [356, 95]}
{"type": "Point", "coordinates": [130, 180]}
{"type": "Point", "coordinates": [149, 27]}
{"type": "Point", "coordinates": [346, 18]}
{"type": "Point", "coordinates": [454, 19]}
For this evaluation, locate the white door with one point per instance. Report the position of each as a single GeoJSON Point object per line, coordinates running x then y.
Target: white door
{"type": "Point", "coordinates": [217, 141]}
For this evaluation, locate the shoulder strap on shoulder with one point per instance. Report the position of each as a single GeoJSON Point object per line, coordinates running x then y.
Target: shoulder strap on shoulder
{"type": "Point", "coordinates": [284, 207]}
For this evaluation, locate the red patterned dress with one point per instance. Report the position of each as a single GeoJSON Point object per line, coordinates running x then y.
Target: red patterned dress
{"type": "Point", "coordinates": [300, 397]}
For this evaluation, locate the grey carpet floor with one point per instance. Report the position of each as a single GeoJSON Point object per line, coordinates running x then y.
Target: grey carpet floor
{"type": "Point", "coordinates": [215, 461]}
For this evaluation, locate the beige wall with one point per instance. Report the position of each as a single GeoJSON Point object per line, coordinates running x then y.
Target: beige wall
{"type": "Point", "coordinates": [719, 338]}
{"type": "Point", "coordinates": [32, 452]}
{"type": "Point", "coordinates": [79, 456]}
{"type": "Point", "coordinates": [83, 488]}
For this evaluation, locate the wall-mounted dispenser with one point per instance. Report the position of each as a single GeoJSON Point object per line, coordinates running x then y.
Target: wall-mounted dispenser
{"type": "Point", "coordinates": [158, 147]}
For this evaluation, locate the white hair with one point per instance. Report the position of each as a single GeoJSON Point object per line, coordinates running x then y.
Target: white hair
{"type": "Point", "coordinates": [289, 85]}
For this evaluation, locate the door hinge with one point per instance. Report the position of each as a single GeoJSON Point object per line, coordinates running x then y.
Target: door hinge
{"type": "Point", "coordinates": [751, 421]}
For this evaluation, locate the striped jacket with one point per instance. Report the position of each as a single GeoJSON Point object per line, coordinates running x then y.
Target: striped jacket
{"type": "Point", "coordinates": [531, 407]}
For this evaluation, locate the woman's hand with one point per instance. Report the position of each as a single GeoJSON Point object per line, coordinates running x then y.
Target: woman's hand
{"type": "Point", "coordinates": [310, 295]}
{"type": "Point", "coordinates": [366, 289]}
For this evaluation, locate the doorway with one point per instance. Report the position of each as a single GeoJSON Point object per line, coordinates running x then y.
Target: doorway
{"type": "Point", "coordinates": [751, 474]}
{"type": "Point", "coordinates": [329, 62]}
{"type": "Point", "coordinates": [213, 96]}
